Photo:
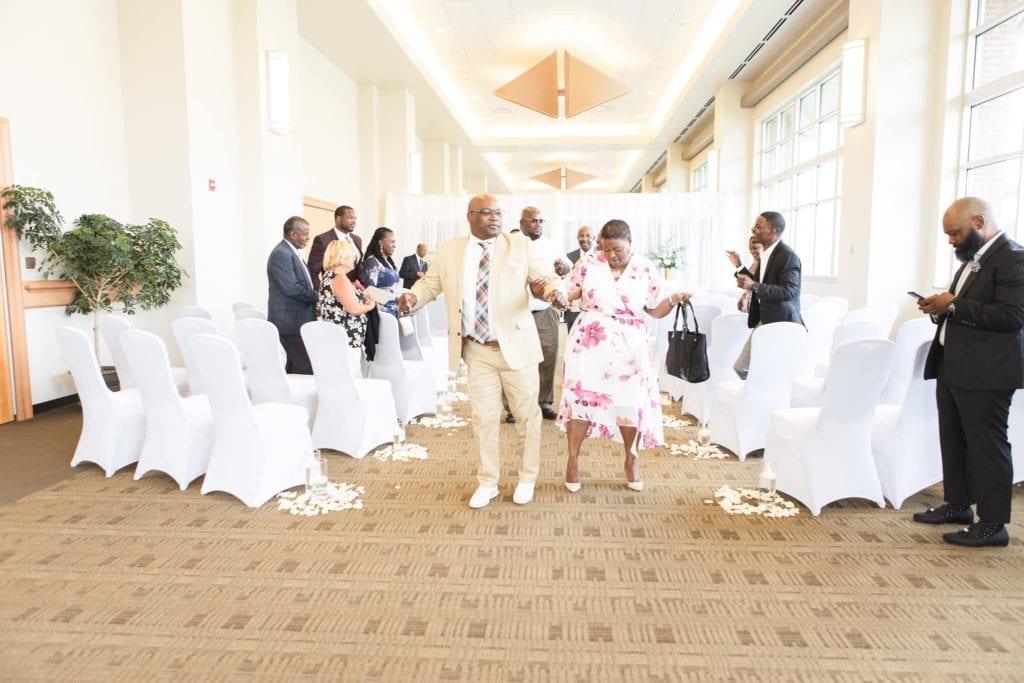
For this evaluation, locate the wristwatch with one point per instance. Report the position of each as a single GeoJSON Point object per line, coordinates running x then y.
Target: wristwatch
{"type": "Point", "coordinates": [950, 309]}
{"type": "Point", "coordinates": [754, 287]}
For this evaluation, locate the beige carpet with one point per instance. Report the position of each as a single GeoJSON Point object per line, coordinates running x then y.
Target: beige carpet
{"type": "Point", "coordinates": [112, 579]}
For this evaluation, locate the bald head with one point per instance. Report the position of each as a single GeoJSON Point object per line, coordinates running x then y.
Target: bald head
{"type": "Point", "coordinates": [484, 216]}
{"type": "Point", "coordinates": [969, 223]}
{"type": "Point", "coordinates": [585, 238]}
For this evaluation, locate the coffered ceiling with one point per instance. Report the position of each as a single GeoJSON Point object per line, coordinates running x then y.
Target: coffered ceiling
{"type": "Point", "coordinates": [453, 54]}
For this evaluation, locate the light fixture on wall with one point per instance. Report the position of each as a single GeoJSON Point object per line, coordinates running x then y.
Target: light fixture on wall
{"type": "Point", "coordinates": [851, 83]}
{"type": "Point", "coordinates": [563, 178]}
{"type": "Point", "coordinates": [538, 87]}
{"type": "Point", "coordinates": [278, 104]}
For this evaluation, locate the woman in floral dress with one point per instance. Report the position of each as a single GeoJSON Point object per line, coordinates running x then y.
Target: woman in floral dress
{"type": "Point", "coordinates": [378, 268]}
{"type": "Point", "coordinates": [339, 301]}
{"type": "Point", "coordinates": [609, 382]}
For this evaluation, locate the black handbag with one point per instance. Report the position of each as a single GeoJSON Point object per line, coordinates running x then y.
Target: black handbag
{"type": "Point", "coordinates": [687, 356]}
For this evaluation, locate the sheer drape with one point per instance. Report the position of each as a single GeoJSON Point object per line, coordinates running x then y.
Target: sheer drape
{"type": "Point", "coordinates": [658, 221]}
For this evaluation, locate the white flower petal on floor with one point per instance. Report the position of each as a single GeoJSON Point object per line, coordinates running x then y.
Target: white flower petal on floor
{"type": "Point", "coordinates": [458, 397]}
{"type": "Point", "coordinates": [749, 502]}
{"type": "Point", "coordinates": [712, 452]}
{"type": "Point", "coordinates": [407, 452]}
{"type": "Point", "coordinates": [435, 423]}
{"type": "Point", "coordinates": [672, 422]}
{"type": "Point", "coordinates": [336, 497]}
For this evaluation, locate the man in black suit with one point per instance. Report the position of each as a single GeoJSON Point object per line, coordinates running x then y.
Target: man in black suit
{"type": "Point", "coordinates": [413, 267]}
{"type": "Point", "coordinates": [344, 229]}
{"type": "Point", "coordinates": [775, 288]}
{"type": "Point", "coordinates": [977, 358]}
{"type": "Point", "coordinates": [585, 238]}
{"type": "Point", "coordinates": [292, 296]}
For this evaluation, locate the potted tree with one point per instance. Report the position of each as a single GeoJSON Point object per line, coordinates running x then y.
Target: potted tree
{"type": "Point", "coordinates": [112, 265]}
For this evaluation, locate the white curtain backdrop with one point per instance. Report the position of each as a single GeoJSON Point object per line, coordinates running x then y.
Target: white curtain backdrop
{"type": "Point", "coordinates": [657, 221]}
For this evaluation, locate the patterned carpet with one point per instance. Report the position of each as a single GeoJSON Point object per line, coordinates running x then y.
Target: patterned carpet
{"type": "Point", "coordinates": [112, 579]}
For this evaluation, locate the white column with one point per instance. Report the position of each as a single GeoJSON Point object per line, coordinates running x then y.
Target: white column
{"type": "Point", "coordinates": [677, 171]}
{"type": "Point", "coordinates": [436, 164]}
{"type": "Point", "coordinates": [734, 143]}
{"type": "Point", "coordinates": [369, 160]}
{"type": "Point", "coordinates": [457, 184]}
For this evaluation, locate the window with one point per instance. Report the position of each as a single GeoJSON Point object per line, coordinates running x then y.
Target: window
{"type": "Point", "coordinates": [699, 180]}
{"type": "Point", "coordinates": [800, 173]}
{"type": "Point", "coordinates": [992, 153]}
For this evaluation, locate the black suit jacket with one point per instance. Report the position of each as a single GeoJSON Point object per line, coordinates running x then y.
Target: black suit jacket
{"type": "Point", "coordinates": [984, 347]}
{"type": "Point", "coordinates": [409, 269]}
{"type": "Point", "coordinates": [778, 295]}
{"type": "Point", "coordinates": [291, 301]}
{"type": "Point", "coordinates": [574, 255]}
{"type": "Point", "coordinates": [316, 253]}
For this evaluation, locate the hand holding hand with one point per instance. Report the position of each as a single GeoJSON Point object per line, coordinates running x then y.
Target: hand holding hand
{"type": "Point", "coordinates": [935, 305]}
{"type": "Point", "coordinates": [557, 300]}
{"type": "Point", "coordinates": [537, 287]}
{"type": "Point", "coordinates": [562, 268]}
{"type": "Point", "coordinates": [407, 302]}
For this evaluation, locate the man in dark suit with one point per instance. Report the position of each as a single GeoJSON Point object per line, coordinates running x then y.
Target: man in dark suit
{"type": "Point", "coordinates": [775, 288]}
{"type": "Point", "coordinates": [585, 238]}
{"type": "Point", "coordinates": [413, 267]}
{"type": "Point", "coordinates": [344, 229]}
{"type": "Point", "coordinates": [977, 358]}
{"type": "Point", "coordinates": [292, 296]}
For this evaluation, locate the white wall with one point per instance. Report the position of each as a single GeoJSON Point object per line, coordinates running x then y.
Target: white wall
{"type": "Point", "coordinates": [328, 130]}
{"type": "Point", "coordinates": [62, 94]}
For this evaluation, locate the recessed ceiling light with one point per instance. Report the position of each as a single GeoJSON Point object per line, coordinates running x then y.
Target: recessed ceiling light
{"type": "Point", "coordinates": [604, 107]}
{"type": "Point", "coordinates": [503, 110]}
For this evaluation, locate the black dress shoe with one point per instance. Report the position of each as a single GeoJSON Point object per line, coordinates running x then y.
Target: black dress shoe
{"type": "Point", "coordinates": [944, 515]}
{"type": "Point", "coordinates": [510, 418]}
{"type": "Point", "coordinates": [978, 535]}
{"type": "Point", "coordinates": [548, 414]}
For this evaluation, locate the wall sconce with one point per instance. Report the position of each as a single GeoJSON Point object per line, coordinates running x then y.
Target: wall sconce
{"type": "Point", "coordinates": [851, 84]}
{"type": "Point", "coordinates": [278, 105]}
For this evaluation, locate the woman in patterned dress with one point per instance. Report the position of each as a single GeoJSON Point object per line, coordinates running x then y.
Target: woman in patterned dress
{"type": "Point", "coordinates": [339, 301]}
{"type": "Point", "coordinates": [609, 381]}
{"type": "Point", "coordinates": [378, 269]}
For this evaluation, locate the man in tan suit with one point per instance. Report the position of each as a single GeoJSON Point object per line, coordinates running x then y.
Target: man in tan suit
{"type": "Point", "coordinates": [484, 277]}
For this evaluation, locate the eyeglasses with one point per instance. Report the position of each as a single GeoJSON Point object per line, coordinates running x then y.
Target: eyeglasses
{"type": "Point", "coordinates": [487, 213]}
{"type": "Point", "coordinates": [535, 220]}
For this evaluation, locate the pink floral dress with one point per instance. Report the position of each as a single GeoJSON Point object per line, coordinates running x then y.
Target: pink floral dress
{"type": "Point", "coordinates": [608, 378]}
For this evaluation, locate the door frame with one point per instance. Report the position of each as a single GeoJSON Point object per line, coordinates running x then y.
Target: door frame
{"type": "Point", "coordinates": [22, 399]}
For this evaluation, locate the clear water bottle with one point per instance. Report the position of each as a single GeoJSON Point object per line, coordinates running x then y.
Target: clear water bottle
{"type": "Point", "coordinates": [766, 484]}
{"type": "Point", "coordinates": [703, 438]}
{"type": "Point", "coordinates": [452, 384]}
{"type": "Point", "coordinates": [463, 372]}
{"type": "Point", "coordinates": [446, 412]}
{"type": "Point", "coordinates": [398, 438]}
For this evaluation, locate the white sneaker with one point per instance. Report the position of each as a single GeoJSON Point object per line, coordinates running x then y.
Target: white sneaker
{"type": "Point", "coordinates": [524, 493]}
{"type": "Point", "coordinates": [483, 496]}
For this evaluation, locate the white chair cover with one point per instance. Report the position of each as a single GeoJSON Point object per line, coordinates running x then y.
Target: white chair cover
{"type": "Point", "coordinates": [905, 437]}
{"type": "Point", "coordinates": [910, 336]}
{"type": "Point", "coordinates": [195, 312]}
{"type": "Point", "coordinates": [411, 384]}
{"type": "Point", "coordinates": [1016, 435]}
{"type": "Point", "coordinates": [184, 329]}
{"type": "Point", "coordinates": [111, 328]}
{"type": "Point", "coordinates": [241, 304]}
{"type": "Point", "coordinates": [179, 431]}
{"type": "Point", "coordinates": [245, 313]}
{"type": "Point", "coordinates": [353, 415]}
{"type": "Point", "coordinates": [729, 331]}
{"type": "Point", "coordinates": [824, 454]}
{"type": "Point", "coordinates": [741, 409]}
{"type": "Point", "coordinates": [434, 350]}
{"type": "Point", "coordinates": [868, 328]}
{"type": "Point", "coordinates": [258, 451]}
{"type": "Point", "coordinates": [260, 346]}
{"type": "Point", "coordinates": [438, 317]}
{"type": "Point", "coordinates": [886, 312]}
{"type": "Point", "coordinates": [821, 326]}
{"type": "Point", "coordinates": [113, 423]}
{"type": "Point", "coordinates": [408, 343]}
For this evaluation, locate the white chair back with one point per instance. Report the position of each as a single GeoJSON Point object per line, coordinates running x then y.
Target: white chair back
{"type": "Point", "coordinates": [330, 368]}
{"type": "Point", "coordinates": [775, 353]}
{"type": "Point", "coordinates": [856, 375]}
{"type": "Point", "coordinates": [856, 330]}
{"type": "Point", "coordinates": [729, 331]}
{"type": "Point", "coordinates": [808, 300]}
{"type": "Point", "coordinates": [247, 313]}
{"type": "Point", "coordinates": [147, 357]}
{"type": "Point", "coordinates": [834, 308]}
{"type": "Point", "coordinates": [705, 315]}
{"type": "Point", "coordinates": [260, 346]}
{"type": "Point", "coordinates": [218, 362]}
{"type": "Point", "coordinates": [909, 338]}
{"type": "Point", "coordinates": [184, 329]}
{"type": "Point", "coordinates": [886, 312]}
{"type": "Point", "coordinates": [411, 382]}
{"type": "Point", "coordinates": [195, 312]}
{"type": "Point", "coordinates": [421, 321]}
{"type": "Point", "coordinates": [438, 315]}
{"type": "Point", "coordinates": [821, 328]}
{"type": "Point", "coordinates": [408, 343]}
{"type": "Point", "coordinates": [111, 329]}
{"type": "Point", "coordinates": [77, 349]}
{"type": "Point", "coordinates": [240, 304]}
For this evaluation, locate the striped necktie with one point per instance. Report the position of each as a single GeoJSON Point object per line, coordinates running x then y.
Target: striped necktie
{"type": "Point", "coordinates": [483, 283]}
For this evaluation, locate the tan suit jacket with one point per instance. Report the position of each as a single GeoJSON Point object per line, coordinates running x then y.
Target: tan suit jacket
{"type": "Point", "coordinates": [511, 268]}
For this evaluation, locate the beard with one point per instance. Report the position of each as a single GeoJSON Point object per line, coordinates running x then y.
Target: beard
{"type": "Point", "coordinates": [966, 251]}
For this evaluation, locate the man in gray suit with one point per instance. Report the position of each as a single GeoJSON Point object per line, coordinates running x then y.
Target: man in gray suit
{"type": "Point", "coordinates": [292, 296]}
{"type": "Point", "coordinates": [585, 238]}
{"type": "Point", "coordinates": [977, 358]}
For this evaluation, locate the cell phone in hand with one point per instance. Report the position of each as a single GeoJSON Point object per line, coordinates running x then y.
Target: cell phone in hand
{"type": "Point", "coordinates": [915, 295]}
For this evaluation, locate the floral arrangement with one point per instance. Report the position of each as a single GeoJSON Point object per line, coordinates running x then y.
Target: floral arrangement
{"type": "Point", "coordinates": [668, 256]}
